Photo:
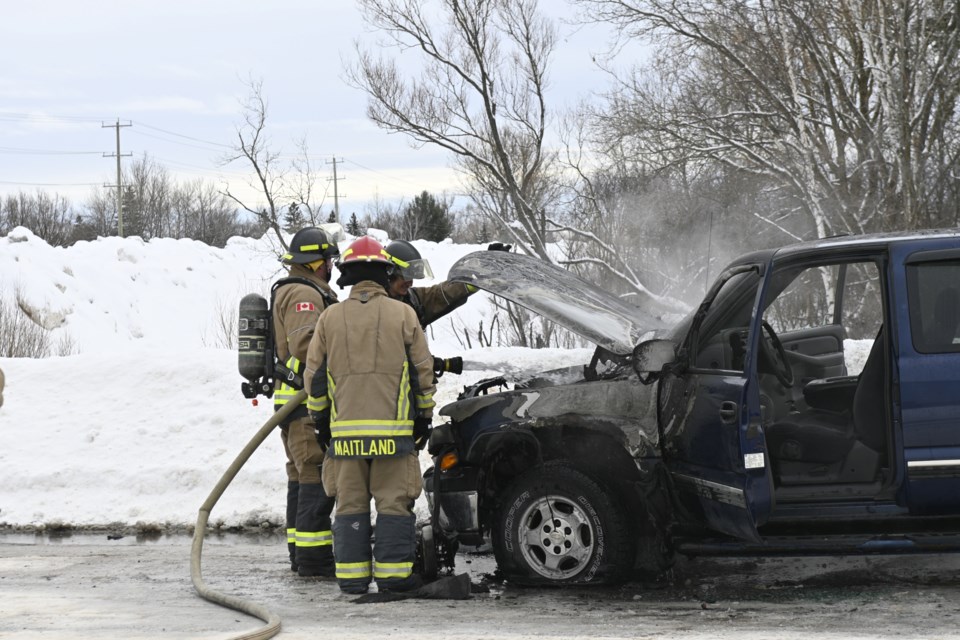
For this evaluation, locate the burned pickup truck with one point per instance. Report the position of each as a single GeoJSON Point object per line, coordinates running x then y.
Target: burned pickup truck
{"type": "Point", "coordinates": [753, 426]}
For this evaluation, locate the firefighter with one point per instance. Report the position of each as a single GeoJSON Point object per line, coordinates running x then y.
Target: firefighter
{"type": "Point", "coordinates": [430, 303]}
{"type": "Point", "coordinates": [370, 378]}
{"type": "Point", "coordinates": [297, 306]}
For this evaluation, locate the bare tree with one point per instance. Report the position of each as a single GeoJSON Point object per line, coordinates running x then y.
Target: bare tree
{"type": "Point", "coordinates": [301, 186]}
{"type": "Point", "coordinates": [480, 94]}
{"type": "Point", "coordinates": [148, 199]}
{"type": "Point", "coordinates": [288, 186]}
{"type": "Point", "coordinates": [99, 218]}
{"type": "Point", "coordinates": [209, 216]}
{"type": "Point", "coordinates": [253, 147]}
{"type": "Point", "coordinates": [380, 214]}
{"type": "Point", "coordinates": [49, 216]}
{"type": "Point", "coordinates": [847, 109]}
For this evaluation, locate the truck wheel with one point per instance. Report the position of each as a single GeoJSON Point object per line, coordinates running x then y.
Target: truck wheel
{"type": "Point", "coordinates": [557, 526]}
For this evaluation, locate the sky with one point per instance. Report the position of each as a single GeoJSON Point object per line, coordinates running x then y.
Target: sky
{"type": "Point", "coordinates": [177, 72]}
{"type": "Point", "coordinates": [140, 421]}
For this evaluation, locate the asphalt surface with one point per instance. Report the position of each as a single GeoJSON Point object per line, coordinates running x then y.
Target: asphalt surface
{"type": "Point", "coordinates": [87, 586]}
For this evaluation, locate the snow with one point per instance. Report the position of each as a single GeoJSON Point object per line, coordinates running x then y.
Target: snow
{"type": "Point", "coordinates": [138, 423]}
{"type": "Point", "coordinates": [136, 426]}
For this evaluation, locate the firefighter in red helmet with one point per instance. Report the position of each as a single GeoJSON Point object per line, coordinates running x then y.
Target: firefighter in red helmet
{"type": "Point", "coordinates": [370, 379]}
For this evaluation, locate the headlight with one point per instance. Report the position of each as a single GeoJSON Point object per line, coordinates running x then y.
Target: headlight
{"type": "Point", "coordinates": [448, 460]}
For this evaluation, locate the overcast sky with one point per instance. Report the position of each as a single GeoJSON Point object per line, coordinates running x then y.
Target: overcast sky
{"type": "Point", "coordinates": [176, 70]}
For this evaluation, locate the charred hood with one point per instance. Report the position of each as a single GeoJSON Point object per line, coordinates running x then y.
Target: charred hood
{"type": "Point", "coordinates": [560, 296]}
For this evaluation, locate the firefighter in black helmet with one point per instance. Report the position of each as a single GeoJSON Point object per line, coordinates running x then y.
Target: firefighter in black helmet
{"type": "Point", "coordinates": [298, 301]}
{"type": "Point", "coordinates": [430, 303]}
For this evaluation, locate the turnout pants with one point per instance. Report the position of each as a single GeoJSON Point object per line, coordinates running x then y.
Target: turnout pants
{"type": "Point", "coordinates": [394, 484]}
{"type": "Point", "coordinates": [309, 535]}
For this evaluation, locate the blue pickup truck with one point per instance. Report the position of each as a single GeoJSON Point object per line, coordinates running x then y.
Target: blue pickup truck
{"type": "Point", "coordinates": [809, 405]}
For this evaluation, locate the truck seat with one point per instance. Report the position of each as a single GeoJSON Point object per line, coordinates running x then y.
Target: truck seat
{"type": "Point", "coordinates": [824, 437]}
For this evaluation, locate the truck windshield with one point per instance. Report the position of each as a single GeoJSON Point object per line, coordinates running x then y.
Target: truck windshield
{"type": "Point", "coordinates": [720, 339]}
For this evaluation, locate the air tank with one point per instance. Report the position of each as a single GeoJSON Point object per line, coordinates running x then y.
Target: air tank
{"type": "Point", "coordinates": [254, 330]}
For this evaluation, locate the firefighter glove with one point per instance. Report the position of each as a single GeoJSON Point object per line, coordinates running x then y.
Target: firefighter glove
{"type": "Point", "coordinates": [321, 421]}
{"type": "Point", "coordinates": [499, 246]}
{"type": "Point", "coordinates": [421, 432]}
{"type": "Point", "coordinates": [324, 436]}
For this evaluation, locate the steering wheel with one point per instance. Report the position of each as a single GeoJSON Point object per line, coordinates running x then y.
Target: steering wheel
{"type": "Point", "coordinates": [776, 356]}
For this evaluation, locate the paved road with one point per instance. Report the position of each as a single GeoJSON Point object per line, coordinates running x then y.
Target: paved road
{"type": "Point", "coordinates": [90, 587]}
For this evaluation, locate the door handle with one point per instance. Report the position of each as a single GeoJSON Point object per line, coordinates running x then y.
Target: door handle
{"type": "Point", "coordinates": [728, 412]}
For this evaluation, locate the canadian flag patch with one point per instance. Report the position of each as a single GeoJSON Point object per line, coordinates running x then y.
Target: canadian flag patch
{"type": "Point", "coordinates": [305, 306]}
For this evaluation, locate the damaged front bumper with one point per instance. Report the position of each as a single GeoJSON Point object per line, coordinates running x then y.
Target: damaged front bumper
{"type": "Point", "coordinates": [459, 515]}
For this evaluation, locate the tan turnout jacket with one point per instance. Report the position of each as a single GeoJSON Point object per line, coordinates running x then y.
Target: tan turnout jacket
{"type": "Point", "coordinates": [375, 374]}
{"type": "Point", "coordinates": [296, 309]}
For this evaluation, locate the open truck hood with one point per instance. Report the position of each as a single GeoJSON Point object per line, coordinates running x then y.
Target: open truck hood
{"type": "Point", "coordinates": [560, 296]}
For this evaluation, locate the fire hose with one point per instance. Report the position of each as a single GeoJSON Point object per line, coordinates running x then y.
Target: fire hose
{"type": "Point", "coordinates": [272, 626]}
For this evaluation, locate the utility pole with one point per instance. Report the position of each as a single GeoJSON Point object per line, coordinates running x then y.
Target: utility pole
{"type": "Point", "coordinates": [119, 185]}
{"type": "Point", "coordinates": [336, 197]}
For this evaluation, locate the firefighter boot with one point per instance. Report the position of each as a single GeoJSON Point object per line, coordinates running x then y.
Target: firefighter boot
{"type": "Point", "coordinates": [314, 535]}
{"type": "Point", "coordinates": [352, 551]}
{"type": "Point", "coordinates": [394, 552]}
{"type": "Point", "coordinates": [293, 490]}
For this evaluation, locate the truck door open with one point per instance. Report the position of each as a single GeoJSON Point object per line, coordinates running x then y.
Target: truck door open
{"type": "Point", "coordinates": [710, 413]}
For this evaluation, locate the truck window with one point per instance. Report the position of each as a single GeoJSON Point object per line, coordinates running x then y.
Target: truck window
{"type": "Point", "coordinates": [810, 298]}
{"type": "Point", "coordinates": [823, 309]}
{"type": "Point", "coordinates": [806, 299]}
{"type": "Point", "coordinates": [934, 304]}
{"type": "Point", "coordinates": [722, 337]}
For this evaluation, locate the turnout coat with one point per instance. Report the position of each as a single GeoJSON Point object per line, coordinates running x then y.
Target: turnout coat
{"type": "Point", "coordinates": [370, 373]}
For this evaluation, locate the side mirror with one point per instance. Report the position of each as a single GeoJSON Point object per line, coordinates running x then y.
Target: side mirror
{"type": "Point", "coordinates": [651, 356]}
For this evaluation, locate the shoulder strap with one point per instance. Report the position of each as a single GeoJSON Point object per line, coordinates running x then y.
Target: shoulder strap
{"type": "Point", "coordinates": [298, 280]}
{"type": "Point", "coordinates": [414, 301]}
{"type": "Point", "coordinates": [280, 369]}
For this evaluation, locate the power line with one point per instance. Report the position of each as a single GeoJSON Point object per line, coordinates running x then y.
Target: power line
{"type": "Point", "coordinates": [385, 175]}
{"type": "Point", "coordinates": [11, 116]}
{"type": "Point", "coordinates": [51, 184]}
{"type": "Point", "coordinates": [199, 168]}
{"type": "Point", "coordinates": [185, 144]}
{"type": "Point", "coordinates": [180, 135]}
{"type": "Point", "coordinates": [44, 152]}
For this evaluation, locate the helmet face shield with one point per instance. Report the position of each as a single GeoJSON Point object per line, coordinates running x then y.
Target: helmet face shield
{"type": "Point", "coordinates": [414, 269]}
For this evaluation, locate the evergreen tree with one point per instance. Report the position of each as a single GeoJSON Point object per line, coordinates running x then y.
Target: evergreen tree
{"type": "Point", "coordinates": [353, 227]}
{"type": "Point", "coordinates": [427, 218]}
{"type": "Point", "coordinates": [293, 219]}
{"type": "Point", "coordinates": [333, 217]}
{"type": "Point", "coordinates": [132, 213]}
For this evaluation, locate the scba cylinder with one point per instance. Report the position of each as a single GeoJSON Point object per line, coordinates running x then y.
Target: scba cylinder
{"type": "Point", "coordinates": [254, 330]}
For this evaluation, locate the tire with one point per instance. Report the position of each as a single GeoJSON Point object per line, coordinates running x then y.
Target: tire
{"type": "Point", "coordinates": [587, 542]}
{"type": "Point", "coordinates": [426, 554]}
